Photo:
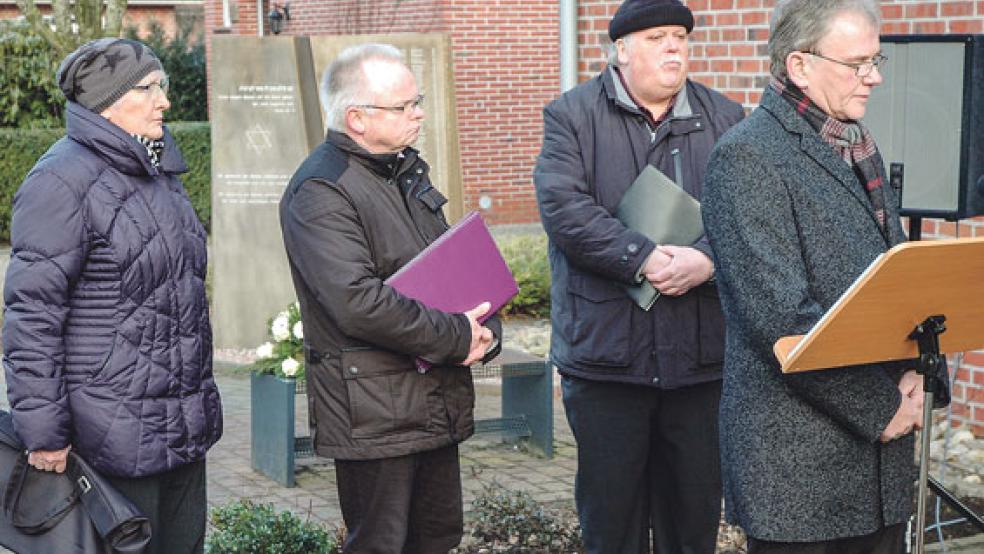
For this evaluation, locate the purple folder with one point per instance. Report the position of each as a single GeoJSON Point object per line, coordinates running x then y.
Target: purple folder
{"type": "Point", "coordinates": [458, 271]}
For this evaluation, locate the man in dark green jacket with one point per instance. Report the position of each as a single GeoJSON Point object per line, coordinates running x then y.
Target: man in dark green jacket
{"type": "Point", "coordinates": [359, 208]}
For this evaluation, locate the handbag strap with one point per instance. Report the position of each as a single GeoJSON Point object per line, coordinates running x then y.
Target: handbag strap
{"type": "Point", "coordinates": [12, 496]}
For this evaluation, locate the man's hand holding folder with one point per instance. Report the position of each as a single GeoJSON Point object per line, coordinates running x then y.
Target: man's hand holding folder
{"type": "Point", "coordinates": [481, 336]}
{"type": "Point", "coordinates": [674, 270]}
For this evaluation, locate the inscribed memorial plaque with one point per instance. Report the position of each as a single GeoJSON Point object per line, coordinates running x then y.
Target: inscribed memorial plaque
{"type": "Point", "coordinates": [263, 96]}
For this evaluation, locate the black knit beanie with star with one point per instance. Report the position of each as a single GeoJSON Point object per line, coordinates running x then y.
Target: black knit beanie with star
{"type": "Point", "coordinates": [100, 72]}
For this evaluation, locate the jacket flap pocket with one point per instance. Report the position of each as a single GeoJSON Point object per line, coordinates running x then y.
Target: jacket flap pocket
{"type": "Point", "coordinates": [433, 199]}
{"type": "Point", "coordinates": [595, 289]}
{"type": "Point", "coordinates": [360, 363]}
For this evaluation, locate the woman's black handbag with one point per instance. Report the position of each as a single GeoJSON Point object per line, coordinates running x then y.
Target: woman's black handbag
{"type": "Point", "coordinates": [73, 512]}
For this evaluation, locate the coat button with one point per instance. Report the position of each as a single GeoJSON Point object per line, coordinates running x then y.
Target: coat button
{"type": "Point", "coordinates": [624, 259]}
{"type": "Point", "coordinates": [420, 170]}
{"type": "Point", "coordinates": [655, 380]}
{"type": "Point", "coordinates": [632, 248]}
{"type": "Point", "coordinates": [354, 370]}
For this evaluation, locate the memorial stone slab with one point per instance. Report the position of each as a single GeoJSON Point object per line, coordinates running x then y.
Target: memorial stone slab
{"type": "Point", "coordinates": [265, 121]}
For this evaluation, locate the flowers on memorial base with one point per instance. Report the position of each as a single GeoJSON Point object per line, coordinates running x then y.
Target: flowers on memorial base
{"type": "Point", "coordinates": [264, 351]}
{"type": "Point", "coordinates": [289, 367]}
{"type": "Point", "coordinates": [283, 355]}
{"type": "Point", "coordinates": [280, 328]}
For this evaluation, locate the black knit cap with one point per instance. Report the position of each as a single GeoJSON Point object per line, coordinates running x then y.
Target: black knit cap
{"type": "Point", "coordinates": [100, 72]}
{"type": "Point", "coordinates": [636, 15]}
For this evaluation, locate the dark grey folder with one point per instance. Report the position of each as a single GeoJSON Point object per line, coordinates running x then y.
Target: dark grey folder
{"type": "Point", "coordinates": [657, 207]}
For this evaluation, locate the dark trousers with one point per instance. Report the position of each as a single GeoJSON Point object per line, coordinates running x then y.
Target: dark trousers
{"type": "Point", "coordinates": [409, 504]}
{"type": "Point", "coordinates": [647, 459]}
{"type": "Point", "coordinates": [887, 540]}
{"type": "Point", "coordinates": [175, 503]}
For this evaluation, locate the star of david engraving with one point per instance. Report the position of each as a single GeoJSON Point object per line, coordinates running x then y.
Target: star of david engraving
{"type": "Point", "coordinates": [258, 138]}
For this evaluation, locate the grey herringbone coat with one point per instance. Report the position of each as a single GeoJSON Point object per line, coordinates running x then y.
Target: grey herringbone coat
{"type": "Point", "coordinates": [791, 228]}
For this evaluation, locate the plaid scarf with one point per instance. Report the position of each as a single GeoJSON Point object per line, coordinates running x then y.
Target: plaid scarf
{"type": "Point", "coordinates": [849, 139]}
{"type": "Point", "coordinates": [154, 149]}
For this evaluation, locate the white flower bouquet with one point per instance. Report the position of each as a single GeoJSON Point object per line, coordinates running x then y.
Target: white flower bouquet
{"type": "Point", "coordinates": [283, 356]}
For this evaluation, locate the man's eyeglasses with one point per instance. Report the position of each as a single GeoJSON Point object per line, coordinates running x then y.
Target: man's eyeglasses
{"type": "Point", "coordinates": [861, 69]}
{"type": "Point", "coordinates": [163, 85]}
{"type": "Point", "coordinates": [407, 107]}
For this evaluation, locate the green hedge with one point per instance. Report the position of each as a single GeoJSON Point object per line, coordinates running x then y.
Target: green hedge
{"type": "Point", "coordinates": [21, 148]}
{"type": "Point", "coordinates": [29, 95]}
{"type": "Point", "coordinates": [526, 256]}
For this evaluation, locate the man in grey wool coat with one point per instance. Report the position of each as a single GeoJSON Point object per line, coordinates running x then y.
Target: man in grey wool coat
{"type": "Point", "coordinates": [796, 206]}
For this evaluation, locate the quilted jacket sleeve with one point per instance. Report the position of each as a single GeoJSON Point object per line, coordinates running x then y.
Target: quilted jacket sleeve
{"type": "Point", "coordinates": [46, 258]}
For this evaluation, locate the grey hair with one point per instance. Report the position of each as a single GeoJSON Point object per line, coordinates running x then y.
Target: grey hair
{"type": "Point", "coordinates": [800, 25]}
{"type": "Point", "coordinates": [612, 49]}
{"type": "Point", "coordinates": [344, 83]}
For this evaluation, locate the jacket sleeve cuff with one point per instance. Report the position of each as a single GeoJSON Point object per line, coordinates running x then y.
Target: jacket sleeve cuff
{"type": "Point", "coordinates": [640, 258]}
{"type": "Point", "coordinates": [35, 429]}
{"type": "Point", "coordinates": [495, 325]}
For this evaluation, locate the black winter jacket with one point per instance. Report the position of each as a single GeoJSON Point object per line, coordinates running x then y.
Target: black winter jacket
{"type": "Point", "coordinates": [107, 342]}
{"type": "Point", "coordinates": [350, 219]}
{"type": "Point", "coordinates": [596, 142]}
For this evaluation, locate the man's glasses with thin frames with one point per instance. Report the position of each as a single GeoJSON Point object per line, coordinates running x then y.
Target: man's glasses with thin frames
{"type": "Point", "coordinates": [861, 69]}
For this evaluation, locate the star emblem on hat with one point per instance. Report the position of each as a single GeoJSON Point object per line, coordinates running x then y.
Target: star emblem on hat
{"type": "Point", "coordinates": [113, 59]}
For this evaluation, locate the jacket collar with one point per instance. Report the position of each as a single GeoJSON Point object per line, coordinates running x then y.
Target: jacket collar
{"type": "Point", "coordinates": [813, 146]}
{"type": "Point", "coordinates": [617, 93]}
{"type": "Point", "coordinates": [117, 147]}
{"type": "Point", "coordinates": [387, 166]}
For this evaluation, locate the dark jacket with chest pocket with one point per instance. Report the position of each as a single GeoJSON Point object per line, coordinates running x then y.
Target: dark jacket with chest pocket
{"type": "Point", "coordinates": [350, 219]}
{"type": "Point", "coordinates": [596, 142]}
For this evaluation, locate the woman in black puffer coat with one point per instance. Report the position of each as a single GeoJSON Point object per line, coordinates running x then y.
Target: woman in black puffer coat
{"type": "Point", "coordinates": [107, 342]}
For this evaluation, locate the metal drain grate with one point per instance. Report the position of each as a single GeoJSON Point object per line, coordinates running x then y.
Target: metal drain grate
{"type": "Point", "coordinates": [513, 427]}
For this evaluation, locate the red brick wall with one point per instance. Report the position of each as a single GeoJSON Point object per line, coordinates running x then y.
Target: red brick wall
{"type": "Point", "coordinates": [505, 63]}
{"type": "Point", "coordinates": [505, 59]}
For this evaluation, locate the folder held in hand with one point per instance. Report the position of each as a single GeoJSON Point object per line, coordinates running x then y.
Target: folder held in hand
{"type": "Point", "coordinates": [458, 271]}
{"type": "Point", "coordinates": [658, 208]}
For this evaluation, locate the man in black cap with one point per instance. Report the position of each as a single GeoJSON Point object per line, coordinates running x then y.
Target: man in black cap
{"type": "Point", "coordinates": [641, 388]}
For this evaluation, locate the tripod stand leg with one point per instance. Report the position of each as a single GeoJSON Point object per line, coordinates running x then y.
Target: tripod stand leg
{"type": "Point", "coordinates": [927, 431]}
{"type": "Point", "coordinates": [955, 503]}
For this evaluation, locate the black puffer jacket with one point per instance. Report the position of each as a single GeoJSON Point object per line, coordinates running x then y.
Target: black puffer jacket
{"type": "Point", "coordinates": [351, 219]}
{"type": "Point", "coordinates": [596, 142]}
{"type": "Point", "coordinates": [107, 342]}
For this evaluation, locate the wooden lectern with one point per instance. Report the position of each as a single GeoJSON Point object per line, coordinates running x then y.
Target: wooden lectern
{"type": "Point", "coordinates": [902, 305]}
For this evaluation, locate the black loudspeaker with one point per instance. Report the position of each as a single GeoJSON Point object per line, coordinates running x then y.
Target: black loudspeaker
{"type": "Point", "coordinates": [928, 120]}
